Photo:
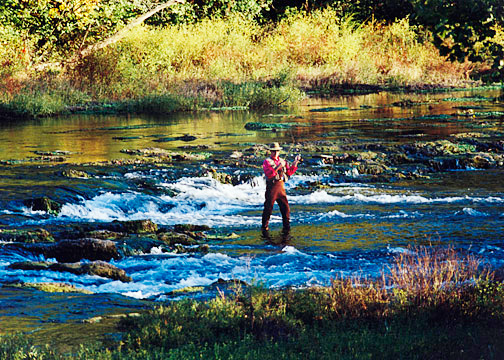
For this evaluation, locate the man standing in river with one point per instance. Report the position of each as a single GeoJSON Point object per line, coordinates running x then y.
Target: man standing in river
{"type": "Point", "coordinates": [277, 171]}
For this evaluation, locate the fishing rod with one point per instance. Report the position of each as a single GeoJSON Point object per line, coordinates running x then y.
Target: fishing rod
{"type": "Point", "coordinates": [292, 146]}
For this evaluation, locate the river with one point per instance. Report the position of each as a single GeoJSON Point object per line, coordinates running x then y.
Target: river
{"type": "Point", "coordinates": [344, 221]}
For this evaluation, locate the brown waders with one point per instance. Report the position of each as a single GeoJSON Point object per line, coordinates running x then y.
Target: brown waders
{"type": "Point", "coordinates": [275, 191]}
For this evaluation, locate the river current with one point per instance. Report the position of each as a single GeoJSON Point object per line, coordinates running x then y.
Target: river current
{"type": "Point", "coordinates": [342, 223]}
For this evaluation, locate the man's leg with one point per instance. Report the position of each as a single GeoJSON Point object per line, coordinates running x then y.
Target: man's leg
{"type": "Point", "coordinates": [268, 207]}
{"type": "Point", "coordinates": [285, 210]}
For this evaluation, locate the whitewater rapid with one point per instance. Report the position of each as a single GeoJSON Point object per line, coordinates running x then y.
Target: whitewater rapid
{"type": "Point", "coordinates": [339, 229]}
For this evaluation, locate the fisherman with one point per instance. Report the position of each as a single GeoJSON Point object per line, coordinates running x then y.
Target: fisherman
{"type": "Point", "coordinates": [277, 171]}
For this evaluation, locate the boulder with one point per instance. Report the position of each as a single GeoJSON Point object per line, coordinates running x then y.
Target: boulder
{"type": "Point", "coordinates": [43, 204]}
{"type": "Point", "coordinates": [78, 249]}
{"type": "Point", "coordinates": [104, 269]}
{"type": "Point", "coordinates": [98, 268]}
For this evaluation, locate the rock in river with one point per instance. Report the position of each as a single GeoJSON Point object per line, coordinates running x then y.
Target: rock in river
{"type": "Point", "coordinates": [26, 236]}
{"type": "Point", "coordinates": [87, 248]}
{"type": "Point", "coordinates": [43, 204]}
{"type": "Point", "coordinates": [99, 268]}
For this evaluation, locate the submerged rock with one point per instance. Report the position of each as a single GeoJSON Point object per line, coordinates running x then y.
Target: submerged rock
{"type": "Point", "coordinates": [267, 126]}
{"type": "Point", "coordinates": [78, 249]}
{"type": "Point", "coordinates": [330, 109]}
{"type": "Point", "coordinates": [190, 227]}
{"type": "Point", "coordinates": [98, 268]}
{"type": "Point", "coordinates": [26, 236]}
{"type": "Point", "coordinates": [43, 204]}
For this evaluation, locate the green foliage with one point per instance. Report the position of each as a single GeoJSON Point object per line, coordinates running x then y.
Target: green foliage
{"type": "Point", "coordinates": [60, 27]}
{"type": "Point", "coordinates": [18, 347]}
{"type": "Point", "coordinates": [13, 51]}
{"type": "Point", "coordinates": [197, 10]}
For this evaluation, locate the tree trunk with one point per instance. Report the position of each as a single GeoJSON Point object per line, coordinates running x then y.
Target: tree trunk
{"type": "Point", "coordinates": [121, 33]}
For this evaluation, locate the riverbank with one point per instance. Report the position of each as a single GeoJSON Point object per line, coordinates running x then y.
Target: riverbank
{"type": "Point", "coordinates": [229, 63]}
{"type": "Point", "coordinates": [447, 305]}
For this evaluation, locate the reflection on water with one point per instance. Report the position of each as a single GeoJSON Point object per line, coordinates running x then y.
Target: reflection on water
{"type": "Point", "coordinates": [89, 138]}
{"type": "Point", "coordinates": [343, 222]}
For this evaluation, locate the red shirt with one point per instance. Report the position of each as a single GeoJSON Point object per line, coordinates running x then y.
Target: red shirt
{"type": "Point", "coordinates": [269, 170]}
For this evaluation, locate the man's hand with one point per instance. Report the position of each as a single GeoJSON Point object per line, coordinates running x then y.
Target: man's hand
{"type": "Point", "coordinates": [297, 159]}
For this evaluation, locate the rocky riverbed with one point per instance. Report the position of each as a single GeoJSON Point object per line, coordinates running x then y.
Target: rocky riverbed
{"type": "Point", "coordinates": [173, 208]}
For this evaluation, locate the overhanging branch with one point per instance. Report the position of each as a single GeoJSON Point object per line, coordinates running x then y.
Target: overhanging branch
{"type": "Point", "coordinates": [121, 33]}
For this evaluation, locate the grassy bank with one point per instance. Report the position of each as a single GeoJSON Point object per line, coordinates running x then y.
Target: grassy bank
{"type": "Point", "coordinates": [225, 63]}
{"type": "Point", "coordinates": [429, 304]}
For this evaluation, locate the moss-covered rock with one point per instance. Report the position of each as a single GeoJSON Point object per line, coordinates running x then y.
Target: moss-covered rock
{"type": "Point", "coordinates": [98, 268]}
{"type": "Point", "coordinates": [221, 177]}
{"type": "Point", "coordinates": [232, 179]}
{"type": "Point", "coordinates": [157, 155]}
{"type": "Point", "coordinates": [51, 287]}
{"type": "Point", "coordinates": [30, 265]}
{"type": "Point", "coordinates": [105, 235]}
{"type": "Point", "coordinates": [104, 269]}
{"type": "Point", "coordinates": [26, 236]}
{"type": "Point", "coordinates": [372, 169]}
{"type": "Point", "coordinates": [43, 204]}
{"type": "Point", "coordinates": [174, 238]}
{"type": "Point", "coordinates": [440, 148]}
{"type": "Point", "coordinates": [75, 174]}
{"type": "Point", "coordinates": [135, 226]}
{"type": "Point", "coordinates": [190, 227]}
{"type": "Point", "coordinates": [483, 161]}
{"type": "Point", "coordinates": [179, 249]}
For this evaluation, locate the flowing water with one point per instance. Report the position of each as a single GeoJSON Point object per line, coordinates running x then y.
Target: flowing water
{"type": "Point", "coordinates": [342, 223]}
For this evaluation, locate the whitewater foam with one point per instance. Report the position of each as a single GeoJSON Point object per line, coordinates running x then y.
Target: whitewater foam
{"type": "Point", "coordinates": [203, 200]}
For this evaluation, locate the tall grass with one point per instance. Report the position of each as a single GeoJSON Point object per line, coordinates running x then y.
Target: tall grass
{"type": "Point", "coordinates": [236, 62]}
{"type": "Point", "coordinates": [302, 49]}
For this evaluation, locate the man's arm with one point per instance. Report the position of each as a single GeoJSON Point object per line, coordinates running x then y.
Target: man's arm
{"type": "Point", "coordinates": [291, 169]}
